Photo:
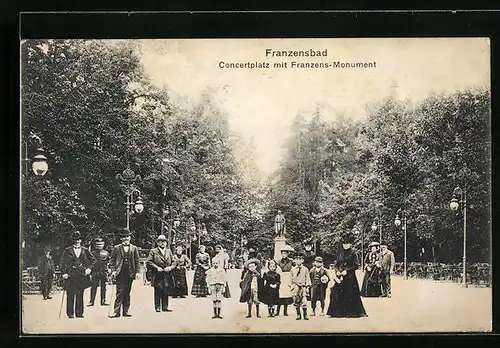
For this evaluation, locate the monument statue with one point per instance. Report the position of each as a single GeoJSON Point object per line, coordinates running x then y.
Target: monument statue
{"type": "Point", "coordinates": [279, 224]}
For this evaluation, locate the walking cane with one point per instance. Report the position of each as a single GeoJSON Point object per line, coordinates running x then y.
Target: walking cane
{"type": "Point", "coordinates": [62, 302]}
{"type": "Point", "coordinates": [111, 302]}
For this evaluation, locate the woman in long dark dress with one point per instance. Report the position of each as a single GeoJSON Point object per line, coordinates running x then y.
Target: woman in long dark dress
{"type": "Point", "coordinates": [345, 299]}
{"type": "Point", "coordinates": [372, 281]}
{"type": "Point", "coordinates": [200, 287]}
{"type": "Point", "coordinates": [179, 272]}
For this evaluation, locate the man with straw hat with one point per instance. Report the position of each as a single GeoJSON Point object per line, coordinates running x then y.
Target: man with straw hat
{"type": "Point", "coordinates": [160, 265]}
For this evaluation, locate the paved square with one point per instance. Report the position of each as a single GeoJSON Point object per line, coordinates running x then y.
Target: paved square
{"type": "Point", "coordinates": [416, 306]}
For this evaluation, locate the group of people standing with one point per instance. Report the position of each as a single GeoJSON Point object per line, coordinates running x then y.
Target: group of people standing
{"type": "Point", "coordinates": [276, 283]}
{"type": "Point", "coordinates": [379, 266]}
{"type": "Point", "coordinates": [289, 281]}
{"type": "Point", "coordinates": [167, 272]}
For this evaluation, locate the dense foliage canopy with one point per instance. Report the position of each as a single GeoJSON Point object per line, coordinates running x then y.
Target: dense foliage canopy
{"type": "Point", "coordinates": [97, 113]}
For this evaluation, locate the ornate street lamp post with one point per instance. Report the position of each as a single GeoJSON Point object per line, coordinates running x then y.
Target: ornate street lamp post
{"type": "Point", "coordinates": [128, 177]}
{"type": "Point", "coordinates": [357, 232]}
{"type": "Point", "coordinates": [460, 199]}
{"type": "Point", "coordinates": [377, 224]}
{"type": "Point", "coordinates": [39, 165]}
{"type": "Point", "coordinates": [401, 213]}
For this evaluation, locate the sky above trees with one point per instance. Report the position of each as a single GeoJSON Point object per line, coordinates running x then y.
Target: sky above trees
{"type": "Point", "coordinates": [262, 103]}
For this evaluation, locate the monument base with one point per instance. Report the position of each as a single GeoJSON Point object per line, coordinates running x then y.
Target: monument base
{"type": "Point", "coordinates": [279, 243]}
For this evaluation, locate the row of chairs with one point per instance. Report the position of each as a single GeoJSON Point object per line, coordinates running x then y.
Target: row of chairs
{"type": "Point", "coordinates": [31, 281]}
{"type": "Point", "coordinates": [478, 274]}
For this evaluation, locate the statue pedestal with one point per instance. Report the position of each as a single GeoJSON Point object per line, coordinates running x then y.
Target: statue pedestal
{"type": "Point", "coordinates": [279, 243]}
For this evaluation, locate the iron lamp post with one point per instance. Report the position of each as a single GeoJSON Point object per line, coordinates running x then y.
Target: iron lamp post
{"type": "Point", "coordinates": [39, 165]}
{"type": "Point", "coordinates": [401, 214]}
{"type": "Point", "coordinates": [377, 225]}
{"type": "Point", "coordinates": [460, 198]}
{"type": "Point", "coordinates": [129, 177]}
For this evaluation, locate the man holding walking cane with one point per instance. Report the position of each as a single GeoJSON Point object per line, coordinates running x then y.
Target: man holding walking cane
{"type": "Point", "coordinates": [76, 265]}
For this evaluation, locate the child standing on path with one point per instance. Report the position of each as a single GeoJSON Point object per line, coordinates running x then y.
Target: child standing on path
{"type": "Point", "coordinates": [301, 284]}
{"type": "Point", "coordinates": [319, 280]}
{"type": "Point", "coordinates": [271, 287]}
{"type": "Point", "coordinates": [251, 288]}
{"type": "Point", "coordinates": [216, 280]}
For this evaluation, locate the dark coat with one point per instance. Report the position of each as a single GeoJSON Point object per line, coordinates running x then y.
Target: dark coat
{"type": "Point", "coordinates": [345, 299]}
{"type": "Point", "coordinates": [155, 261]}
{"type": "Point", "coordinates": [309, 259]}
{"type": "Point", "coordinates": [271, 295]}
{"type": "Point", "coordinates": [46, 267]}
{"type": "Point", "coordinates": [285, 264]}
{"type": "Point", "coordinates": [316, 276]}
{"type": "Point", "coordinates": [75, 267]}
{"type": "Point", "coordinates": [117, 259]}
{"type": "Point", "coordinates": [246, 283]}
{"type": "Point", "coordinates": [102, 260]}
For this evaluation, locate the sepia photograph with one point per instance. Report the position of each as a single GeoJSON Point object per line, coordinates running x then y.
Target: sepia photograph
{"type": "Point", "coordinates": [255, 186]}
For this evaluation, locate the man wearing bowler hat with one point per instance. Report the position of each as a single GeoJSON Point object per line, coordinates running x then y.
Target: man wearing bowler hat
{"type": "Point", "coordinates": [125, 266]}
{"type": "Point", "coordinates": [46, 271]}
{"type": "Point", "coordinates": [99, 272]}
{"type": "Point", "coordinates": [76, 265]}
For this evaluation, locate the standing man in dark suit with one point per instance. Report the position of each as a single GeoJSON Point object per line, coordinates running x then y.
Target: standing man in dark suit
{"type": "Point", "coordinates": [46, 271]}
{"type": "Point", "coordinates": [99, 272]}
{"type": "Point", "coordinates": [160, 264]}
{"type": "Point", "coordinates": [76, 265]}
{"type": "Point", "coordinates": [125, 266]}
{"type": "Point", "coordinates": [387, 262]}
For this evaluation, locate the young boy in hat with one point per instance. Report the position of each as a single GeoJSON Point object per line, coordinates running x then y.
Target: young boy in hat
{"type": "Point", "coordinates": [319, 280]}
{"type": "Point", "coordinates": [216, 280]}
{"type": "Point", "coordinates": [301, 284]}
{"type": "Point", "coordinates": [252, 288]}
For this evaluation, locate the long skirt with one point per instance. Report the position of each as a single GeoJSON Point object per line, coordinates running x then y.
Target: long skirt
{"type": "Point", "coordinates": [200, 287]}
{"type": "Point", "coordinates": [372, 286]}
{"type": "Point", "coordinates": [285, 290]}
{"type": "Point", "coordinates": [270, 296]}
{"type": "Point", "coordinates": [345, 299]}
{"type": "Point", "coordinates": [180, 282]}
{"type": "Point", "coordinates": [227, 293]}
